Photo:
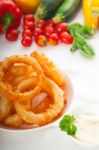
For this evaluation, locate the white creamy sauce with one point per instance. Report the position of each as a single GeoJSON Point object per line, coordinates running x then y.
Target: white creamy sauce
{"type": "Point", "coordinates": [88, 129]}
{"type": "Point", "coordinates": [87, 122]}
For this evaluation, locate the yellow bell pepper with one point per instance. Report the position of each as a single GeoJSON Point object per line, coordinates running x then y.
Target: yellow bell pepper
{"type": "Point", "coordinates": [28, 6]}
{"type": "Point", "coordinates": [91, 12]}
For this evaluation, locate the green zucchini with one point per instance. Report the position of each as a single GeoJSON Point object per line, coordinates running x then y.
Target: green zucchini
{"type": "Point", "coordinates": [45, 8]}
{"type": "Point", "coordinates": [66, 10]}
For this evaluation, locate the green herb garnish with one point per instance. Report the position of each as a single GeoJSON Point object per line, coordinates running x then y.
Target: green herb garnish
{"type": "Point", "coordinates": [67, 125]}
{"type": "Point", "coordinates": [80, 33]}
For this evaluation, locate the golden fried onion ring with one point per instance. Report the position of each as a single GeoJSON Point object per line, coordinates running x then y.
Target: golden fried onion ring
{"type": "Point", "coordinates": [14, 120]}
{"type": "Point", "coordinates": [4, 107]}
{"type": "Point", "coordinates": [7, 63]}
{"type": "Point", "coordinates": [54, 109]}
{"type": "Point", "coordinates": [32, 91]}
{"type": "Point", "coordinates": [49, 67]}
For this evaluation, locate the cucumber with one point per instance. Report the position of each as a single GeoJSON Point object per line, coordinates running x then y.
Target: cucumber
{"type": "Point", "coordinates": [66, 10]}
{"type": "Point", "coordinates": [45, 8]}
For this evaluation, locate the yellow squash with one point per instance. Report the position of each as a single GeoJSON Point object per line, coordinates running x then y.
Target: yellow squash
{"type": "Point", "coordinates": [28, 6]}
{"type": "Point", "coordinates": [91, 12]}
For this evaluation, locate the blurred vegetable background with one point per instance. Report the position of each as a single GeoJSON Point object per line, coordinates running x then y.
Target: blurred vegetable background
{"type": "Point", "coordinates": [10, 15]}
{"type": "Point", "coordinates": [28, 6]}
{"type": "Point", "coordinates": [47, 22]}
{"type": "Point", "coordinates": [63, 9]}
{"type": "Point", "coordinates": [91, 13]}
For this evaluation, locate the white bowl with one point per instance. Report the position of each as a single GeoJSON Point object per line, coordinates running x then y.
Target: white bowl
{"type": "Point", "coordinates": [15, 137]}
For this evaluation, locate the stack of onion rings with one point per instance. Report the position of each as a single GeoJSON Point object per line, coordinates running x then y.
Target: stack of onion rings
{"type": "Point", "coordinates": [31, 91]}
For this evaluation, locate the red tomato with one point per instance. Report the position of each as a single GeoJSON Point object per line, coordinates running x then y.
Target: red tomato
{"type": "Point", "coordinates": [25, 27]}
{"type": "Point", "coordinates": [12, 35]}
{"type": "Point", "coordinates": [27, 32]}
{"type": "Point", "coordinates": [14, 26]}
{"type": "Point", "coordinates": [41, 23]}
{"type": "Point", "coordinates": [51, 23]}
{"type": "Point", "coordinates": [48, 30]}
{"type": "Point", "coordinates": [66, 38]}
{"type": "Point", "coordinates": [37, 31]}
{"type": "Point", "coordinates": [29, 25]}
{"type": "Point", "coordinates": [41, 40]}
{"type": "Point", "coordinates": [28, 18]}
{"type": "Point", "coordinates": [60, 27]}
{"type": "Point", "coordinates": [1, 28]}
{"type": "Point", "coordinates": [53, 39]}
{"type": "Point", "coordinates": [26, 41]}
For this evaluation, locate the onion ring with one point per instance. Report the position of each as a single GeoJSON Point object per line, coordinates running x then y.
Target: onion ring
{"type": "Point", "coordinates": [49, 67]}
{"type": "Point", "coordinates": [33, 91]}
{"type": "Point", "coordinates": [5, 107]}
{"type": "Point", "coordinates": [17, 73]}
{"type": "Point", "coordinates": [20, 70]}
{"type": "Point", "coordinates": [54, 109]}
{"type": "Point", "coordinates": [7, 63]}
{"type": "Point", "coordinates": [13, 120]}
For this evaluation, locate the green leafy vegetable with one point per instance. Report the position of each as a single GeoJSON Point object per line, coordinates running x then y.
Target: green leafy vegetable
{"type": "Point", "coordinates": [80, 33]}
{"type": "Point", "coordinates": [83, 30]}
{"type": "Point", "coordinates": [67, 125]}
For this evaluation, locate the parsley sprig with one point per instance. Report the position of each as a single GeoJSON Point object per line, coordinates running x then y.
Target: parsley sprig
{"type": "Point", "coordinates": [67, 125]}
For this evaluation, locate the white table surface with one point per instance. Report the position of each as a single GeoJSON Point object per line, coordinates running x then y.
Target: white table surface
{"type": "Point", "coordinates": [84, 74]}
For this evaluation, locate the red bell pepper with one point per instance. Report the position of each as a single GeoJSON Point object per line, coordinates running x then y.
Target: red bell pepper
{"type": "Point", "coordinates": [10, 15]}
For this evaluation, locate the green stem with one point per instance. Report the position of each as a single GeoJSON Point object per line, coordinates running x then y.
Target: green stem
{"type": "Point", "coordinates": [7, 20]}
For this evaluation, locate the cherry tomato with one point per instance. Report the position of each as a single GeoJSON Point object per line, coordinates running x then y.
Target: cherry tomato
{"type": "Point", "coordinates": [25, 27]}
{"type": "Point", "coordinates": [29, 25]}
{"type": "Point", "coordinates": [27, 32]}
{"type": "Point", "coordinates": [28, 18]}
{"type": "Point", "coordinates": [41, 23]}
{"type": "Point", "coordinates": [51, 23]}
{"type": "Point", "coordinates": [37, 31]}
{"type": "Point", "coordinates": [66, 38]}
{"type": "Point", "coordinates": [60, 27]}
{"type": "Point", "coordinates": [48, 30]}
{"type": "Point", "coordinates": [12, 35]}
{"type": "Point", "coordinates": [41, 40]}
{"type": "Point", "coordinates": [53, 39]}
{"type": "Point", "coordinates": [26, 41]}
